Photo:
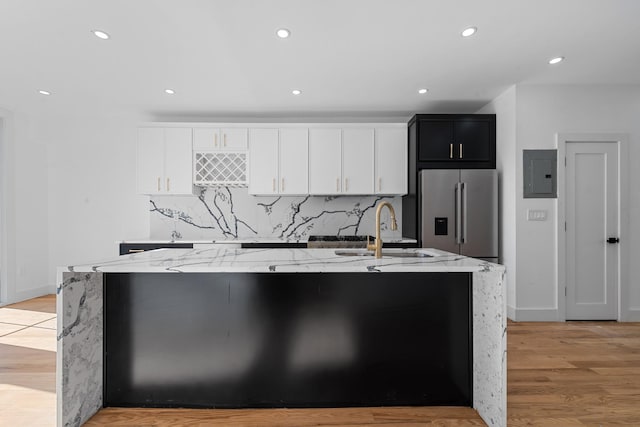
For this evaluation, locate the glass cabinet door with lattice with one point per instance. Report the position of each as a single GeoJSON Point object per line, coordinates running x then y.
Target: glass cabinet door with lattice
{"type": "Point", "coordinates": [226, 168]}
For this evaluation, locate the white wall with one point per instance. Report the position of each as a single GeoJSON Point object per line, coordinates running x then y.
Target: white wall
{"type": "Point", "coordinates": [92, 188]}
{"type": "Point", "coordinates": [542, 112]}
{"type": "Point", "coordinates": [504, 107]}
{"type": "Point", "coordinates": [24, 237]}
{"type": "Point", "coordinates": [68, 194]}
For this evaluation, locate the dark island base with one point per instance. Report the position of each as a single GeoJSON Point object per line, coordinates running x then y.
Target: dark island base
{"type": "Point", "coordinates": [256, 340]}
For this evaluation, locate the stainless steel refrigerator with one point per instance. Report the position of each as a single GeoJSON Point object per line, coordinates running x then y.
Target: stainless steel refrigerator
{"type": "Point", "coordinates": [458, 210]}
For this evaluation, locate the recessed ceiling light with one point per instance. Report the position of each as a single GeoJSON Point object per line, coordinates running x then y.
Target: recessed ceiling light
{"type": "Point", "coordinates": [283, 33]}
{"type": "Point", "coordinates": [101, 34]}
{"type": "Point", "coordinates": [422, 91]}
{"type": "Point", "coordinates": [296, 91]}
{"type": "Point", "coordinates": [556, 60]}
{"type": "Point", "coordinates": [44, 92]}
{"type": "Point", "coordinates": [169, 91]}
{"type": "Point", "coordinates": [469, 31]}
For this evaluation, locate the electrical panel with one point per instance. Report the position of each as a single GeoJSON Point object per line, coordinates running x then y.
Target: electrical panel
{"type": "Point", "coordinates": [540, 174]}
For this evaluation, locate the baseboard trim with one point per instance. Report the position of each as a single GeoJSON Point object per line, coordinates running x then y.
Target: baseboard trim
{"type": "Point", "coordinates": [632, 315]}
{"type": "Point", "coordinates": [511, 312]}
{"type": "Point", "coordinates": [536, 315]}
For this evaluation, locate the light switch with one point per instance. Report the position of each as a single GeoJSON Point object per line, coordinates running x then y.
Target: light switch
{"type": "Point", "coordinates": [536, 215]}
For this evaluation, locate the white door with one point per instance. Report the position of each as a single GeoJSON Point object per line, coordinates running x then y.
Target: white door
{"type": "Point", "coordinates": [325, 165]}
{"type": "Point", "coordinates": [294, 166]}
{"type": "Point", "coordinates": [592, 218]}
{"type": "Point", "coordinates": [263, 161]}
{"type": "Point", "coordinates": [391, 161]}
{"type": "Point", "coordinates": [178, 162]}
{"type": "Point", "coordinates": [357, 161]}
{"type": "Point", "coordinates": [150, 160]}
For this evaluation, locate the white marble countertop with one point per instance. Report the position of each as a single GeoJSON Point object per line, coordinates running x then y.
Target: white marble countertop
{"type": "Point", "coordinates": [282, 260]}
{"type": "Point", "coordinates": [251, 240]}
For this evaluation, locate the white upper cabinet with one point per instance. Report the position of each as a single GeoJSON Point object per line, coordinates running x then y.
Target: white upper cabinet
{"type": "Point", "coordinates": [341, 161]}
{"type": "Point", "coordinates": [294, 167]}
{"type": "Point", "coordinates": [325, 161]}
{"type": "Point", "coordinates": [226, 139]}
{"type": "Point", "coordinates": [263, 161]}
{"type": "Point", "coordinates": [391, 160]}
{"type": "Point", "coordinates": [164, 161]}
{"type": "Point", "coordinates": [357, 161]}
{"type": "Point", "coordinates": [283, 159]}
{"type": "Point", "coordinates": [278, 161]}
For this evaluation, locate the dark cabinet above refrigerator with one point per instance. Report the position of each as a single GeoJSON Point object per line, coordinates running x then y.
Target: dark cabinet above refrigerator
{"type": "Point", "coordinates": [448, 141]}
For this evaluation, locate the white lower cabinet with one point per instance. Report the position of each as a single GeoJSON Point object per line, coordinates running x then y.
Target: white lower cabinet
{"type": "Point", "coordinates": [164, 161]}
{"type": "Point", "coordinates": [278, 161]}
{"type": "Point", "coordinates": [391, 161]}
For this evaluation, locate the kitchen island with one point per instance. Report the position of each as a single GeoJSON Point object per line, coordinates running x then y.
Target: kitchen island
{"type": "Point", "coordinates": [284, 327]}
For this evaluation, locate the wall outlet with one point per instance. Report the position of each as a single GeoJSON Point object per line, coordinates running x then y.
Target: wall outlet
{"type": "Point", "coordinates": [536, 215]}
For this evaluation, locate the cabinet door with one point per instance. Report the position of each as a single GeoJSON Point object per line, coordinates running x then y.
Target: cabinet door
{"type": "Point", "coordinates": [263, 161]}
{"type": "Point", "coordinates": [391, 161]}
{"type": "Point", "coordinates": [233, 139]}
{"type": "Point", "coordinates": [472, 140]}
{"type": "Point", "coordinates": [294, 166]}
{"type": "Point", "coordinates": [357, 161]}
{"type": "Point", "coordinates": [206, 138]}
{"type": "Point", "coordinates": [436, 140]}
{"type": "Point", "coordinates": [325, 165]}
{"type": "Point", "coordinates": [150, 160]}
{"type": "Point", "coordinates": [178, 161]}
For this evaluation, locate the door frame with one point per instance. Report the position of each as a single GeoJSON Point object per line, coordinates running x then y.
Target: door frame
{"type": "Point", "coordinates": [622, 141]}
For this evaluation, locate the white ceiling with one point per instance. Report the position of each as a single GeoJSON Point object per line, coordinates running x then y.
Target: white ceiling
{"type": "Point", "coordinates": [352, 57]}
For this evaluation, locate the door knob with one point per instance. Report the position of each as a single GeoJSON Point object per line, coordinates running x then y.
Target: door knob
{"type": "Point", "coordinates": [613, 240]}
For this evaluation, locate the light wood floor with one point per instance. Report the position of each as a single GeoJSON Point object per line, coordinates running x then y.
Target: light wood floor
{"type": "Point", "coordinates": [28, 363]}
{"type": "Point", "coordinates": [559, 374]}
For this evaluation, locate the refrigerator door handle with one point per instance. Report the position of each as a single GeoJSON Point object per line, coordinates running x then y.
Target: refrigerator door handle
{"type": "Point", "coordinates": [458, 214]}
{"type": "Point", "coordinates": [463, 219]}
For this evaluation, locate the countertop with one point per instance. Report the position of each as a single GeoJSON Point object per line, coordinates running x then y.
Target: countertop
{"type": "Point", "coordinates": [281, 260]}
{"type": "Point", "coordinates": [249, 240]}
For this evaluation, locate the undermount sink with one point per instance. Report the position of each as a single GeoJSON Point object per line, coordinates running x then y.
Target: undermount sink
{"type": "Point", "coordinates": [394, 253]}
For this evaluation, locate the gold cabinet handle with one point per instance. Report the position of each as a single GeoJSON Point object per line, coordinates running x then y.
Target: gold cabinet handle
{"type": "Point", "coordinates": [346, 185]}
{"type": "Point", "coordinates": [379, 184]}
{"type": "Point", "coordinates": [337, 185]}
{"type": "Point", "coordinates": [168, 185]}
{"type": "Point", "coordinates": [460, 150]}
{"type": "Point", "coordinates": [273, 185]}
{"type": "Point", "coordinates": [215, 139]}
{"type": "Point", "coordinates": [225, 139]}
{"type": "Point", "coordinates": [133, 251]}
{"type": "Point", "coordinates": [282, 184]}
{"type": "Point", "coordinates": [451, 151]}
{"type": "Point", "coordinates": [158, 183]}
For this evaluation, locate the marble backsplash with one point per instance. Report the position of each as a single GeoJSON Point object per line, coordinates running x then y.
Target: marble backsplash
{"type": "Point", "coordinates": [228, 213]}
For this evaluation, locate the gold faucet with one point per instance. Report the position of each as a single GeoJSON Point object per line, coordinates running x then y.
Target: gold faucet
{"type": "Point", "coordinates": [377, 246]}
